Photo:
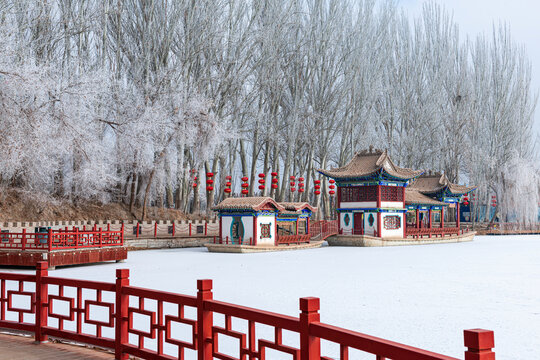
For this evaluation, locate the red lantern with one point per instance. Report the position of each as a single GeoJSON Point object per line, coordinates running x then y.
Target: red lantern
{"type": "Point", "coordinates": [261, 181]}
{"type": "Point", "coordinates": [228, 183]}
{"type": "Point", "coordinates": [331, 186]}
{"type": "Point", "coordinates": [261, 187]}
{"type": "Point", "coordinates": [331, 192]}
{"type": "Point", "coordinates": [195, 178]}
{"type": "Point", "coordinates": [209, 181]}
{"type": "Point", "coordinates": [331, 181]}
{"type": "Point", "coordinates": [301, 185]}
{"type": "Point", "coordinates": [300, 190]}
{"type": "Point", "coordinates": [261, 175]}
{"type": "Point", "coordinates": [292, 178]}
{"type": "Point", "coordinates": [317, 182]}
{"type": "Point", "coordinates": [274, 173]}
{"type": "Point", "coordinates": [275, 181]}
{"type": "Point", "coordinates": [245, 178]}
{"type": "Point", "coordinates": [317, 192]}
{"type": "Point", "coordinates": [466, 203]}
{"type": "Point", "coordinates": [274, 186]}
{"type": "Point", "coordinates": [209, 174]}
{"type": "Point", "coordinates": [245, 191]}
{"type": "Point", "coordinates": [228, 177]}
{"type": "Point", "coordinates": [228, 191]}
{"type": "Point", "coordinates": [317, 187]}
{"type": "Point", "coordinates": [292, 183]}
{"type": "Point", "coordinates": [300, 179]}
{"type": "Point", "coordinates": [194, 185]}
{"type": "Point", "coordinates": [209, 188]}
{"type": "Point", "coordinates": [245, 185]}
{"type": "Point", "coordinates": [293, 189]}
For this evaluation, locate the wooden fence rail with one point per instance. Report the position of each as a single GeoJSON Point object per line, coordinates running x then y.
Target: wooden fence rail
{"type": "Point", "coordinates": [42, 319]}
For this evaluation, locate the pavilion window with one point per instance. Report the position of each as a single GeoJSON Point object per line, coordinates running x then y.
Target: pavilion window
{"type": "Point", "coordinates": [301, 227]}
{"type": "Point", "coordinates": [286, 228]}
{"type": "Point", "coordinates": [358, 193]}
{"type": "Point", "coordinates": [391, 193]}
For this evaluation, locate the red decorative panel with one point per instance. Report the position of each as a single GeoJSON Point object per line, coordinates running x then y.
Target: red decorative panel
{"type": "Point", "coordinates": [392, 222]}
{"type": "Point", "coordinates": [263, 344]}
{"type": "Point", "coordinates": [32, 296]}
{"type": "Point", "coordinates": [151, 314]}
{"type": "Point", "coordinates": [71, 302]}
{"type": "Point", "coordinates": [237, 335]}
{"type": "Point", "coordinates": [392, 193]}
{"type": "Point", "coordinates": [168, 320]}
{"type": "Point", "coordinates": [358, 193]}
{"type": "Point", "coordinates": [110, 311]}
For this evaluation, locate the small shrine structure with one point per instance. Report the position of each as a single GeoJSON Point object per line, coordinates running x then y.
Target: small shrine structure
{"type": "Point", "coordinates": [258, 223]}
{"type": "Point", "coordinates": [378, 199]}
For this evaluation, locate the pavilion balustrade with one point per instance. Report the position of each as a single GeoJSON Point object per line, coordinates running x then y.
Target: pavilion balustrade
{"type": "Point", "coordinates": [293, 239]}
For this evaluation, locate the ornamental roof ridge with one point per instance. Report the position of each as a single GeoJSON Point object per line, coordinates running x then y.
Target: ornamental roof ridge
{"type": "Point", "coordinates": [366, 163]}
{"type": "Point", "coordinates": [250, 203]}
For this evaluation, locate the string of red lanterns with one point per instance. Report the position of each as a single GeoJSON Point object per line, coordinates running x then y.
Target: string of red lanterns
{"type": "Point", "coordinates": [274, 180]}
{"type": "Point", "coordinates": [262, 181]}
{"type": "Point", "coordinates": [292, 183]}
{"type": "Point", "coordinates": [209, 182]}
{"type": "Point", "coordinates": [331, 186]}
{"type": "Point", "coordinates": [245, 185]}
{"type": "Point", "coordinates": [317, 187]}
{"type": "Point", "coordinates": [300, 184]}
{"type": "Point", "coordinates": [228, 184]}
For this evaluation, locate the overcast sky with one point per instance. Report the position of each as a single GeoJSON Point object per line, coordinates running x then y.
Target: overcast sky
{"type": "Point", "coordinates": [477, 16]}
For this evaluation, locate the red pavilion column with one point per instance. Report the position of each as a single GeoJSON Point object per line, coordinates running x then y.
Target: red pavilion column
{"type": "Point", "coordinates": [254, 230]}
{"type": "Point", "coordinates": [416, 224]}
{"type": "Point", "coordinates": [457, 216]}
{"type": "Point", "coordinates": [379, 230]}
{"type": "Point", "coordinates": [430, 218]}
{"type": "Point", "coordinates": [442, 217]}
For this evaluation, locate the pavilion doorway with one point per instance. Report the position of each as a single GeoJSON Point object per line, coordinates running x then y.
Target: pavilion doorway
{"type": "Point", "coordinates": [358, 223]}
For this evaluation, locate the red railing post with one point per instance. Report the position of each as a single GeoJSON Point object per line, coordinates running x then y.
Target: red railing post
{"type": "Point", "coordinates": [101, 237]}
{"type": "Point", "coordinates": [310, 346]}
{"type": "Point", "coordinates": [23, 240]}
{"type": "Point", "coordinates": [206, 228]}
{"type": "Point", "coordinates": [122, 234]}
{"type": "Point", "coordinates": [205, 321]}
{"type": "Point", "coordinates": [155, 229]}
{"type": "Point", "coordinates": [121, 314]}
{"type": "Point", "coordinates": [173, 228]}
{"type": "Point", "coordinates": [479, 343]}
{"type": "Point", "coordinates": [77, 236]}
{"type": "Point", "coordinates": [137, 230]}
{"type": "Point", "coordinates": [49, 239]}
{"type": "Point", "coordinates": [189, 229]}
{"type": "Point", "coordinates": [41, 301]}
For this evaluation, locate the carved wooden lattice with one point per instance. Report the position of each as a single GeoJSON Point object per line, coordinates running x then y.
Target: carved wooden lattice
{"type": "Point", "coordinates": [392, 222]}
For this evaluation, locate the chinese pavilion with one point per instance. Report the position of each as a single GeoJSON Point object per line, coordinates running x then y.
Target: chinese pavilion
{"type": "Point", "coordinates": [260, 221]}
{"type": "Point", "coordinates": [377, 198]}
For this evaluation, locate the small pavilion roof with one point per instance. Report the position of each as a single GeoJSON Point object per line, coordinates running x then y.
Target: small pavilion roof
{"type": "Point", "coordinates": [297, 206]}
{"type": "Point", "coordinates": [366, 163]}
{"type": "Point", "coordinates": [434, 183]}
{"type": "Point", "coordinates": [253, 203]}
{"type": "Point", "coordinates": [415, 197]}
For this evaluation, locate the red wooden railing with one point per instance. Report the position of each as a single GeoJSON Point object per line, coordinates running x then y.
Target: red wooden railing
{"type": "Point", "coordinates": [62, 239]}
{"type": "Point", "coordinates": [127, 338]}
{"type": "Point", "coordinates": [320, 230]}
{"type": "Point", "coordinates": [421, 232]}
{"type": "Point", "coordinates": [293, 239]}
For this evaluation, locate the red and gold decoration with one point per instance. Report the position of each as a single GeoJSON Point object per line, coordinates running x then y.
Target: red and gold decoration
{"type": "Point", "coordinates": [245, 185]}
{"type": "Point", "coordinates": [209, 182]}
{"type": "Point", "coordinates": [300, 184]}
{"type": "Point", "coordinates": [317, 187]}
{"type": "Point", "coordinates": [493, 200]}
{"type": "Point", "coordinates": [228, 184]}
{"type": "Point", "coordinates": [332, 186]}
{"type": "Point", "coordinates": [292, 183]}
{"type": "Point", "coordinates": [262, 181]}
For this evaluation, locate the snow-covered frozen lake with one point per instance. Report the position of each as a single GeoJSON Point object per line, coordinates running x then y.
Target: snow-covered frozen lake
{"type": "Point", "coordinates": [422, 296]}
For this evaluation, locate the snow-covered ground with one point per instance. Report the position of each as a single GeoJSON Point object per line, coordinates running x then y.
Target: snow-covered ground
{"type": "Point", "coordinates": [422, 296]}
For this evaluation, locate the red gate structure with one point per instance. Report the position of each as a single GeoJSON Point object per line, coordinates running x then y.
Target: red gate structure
{"type": "Point", "coordinates": [62, 247]}
{"type": "Point", "coordinates": [41, 319]}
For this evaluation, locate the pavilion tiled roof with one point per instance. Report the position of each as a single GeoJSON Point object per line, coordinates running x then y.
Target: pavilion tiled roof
{"type": "Point", "coordinates": [415, 197]}
{"type": "Point", "coordinates": [366, 163]}
{"type": "Point", "coordinates": [253, 203]}
{"type": "Point", "coordinates": [297, 206]}
{"type": "Point", "coordinates": [431, 184]}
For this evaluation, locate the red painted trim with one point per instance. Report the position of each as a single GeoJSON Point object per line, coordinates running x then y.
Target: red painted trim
{"type": "Point", "coordinates": [457, 216]}
{"type": "Point", "coordinates": [442, 217]}
{"type": "Point", "coordinates": [378, 196]}
{"type": "Point", "coordinates": [379, 229]}
{"type": "Point", "coordinates": [220, 230]}
{"type": "Point", "coordinates": [254, 230]}
{"type": "Point", "coordinates": [430, 220]}
{"type": "Point", "coordinates": [417, 225]}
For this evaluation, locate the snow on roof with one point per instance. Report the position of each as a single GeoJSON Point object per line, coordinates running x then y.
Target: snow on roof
{"type": "Point", "coordinates": [433, 183]}
{"type": "Point", "coordinates": [252, 203]}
